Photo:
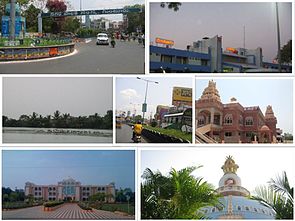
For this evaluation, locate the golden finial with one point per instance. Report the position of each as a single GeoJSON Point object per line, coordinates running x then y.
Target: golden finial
{"type": "Point", "coordinates": [230, 165]}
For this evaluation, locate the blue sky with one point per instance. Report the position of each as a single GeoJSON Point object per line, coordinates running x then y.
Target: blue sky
{"type": "Point", "coordinates": [48, 167]}
{"type": "Point", "coordinates": [257, 92]}
{"type": "Point", "coordinates": [130, 92]}
{"type": "Point", "coordinates": [196, 20]}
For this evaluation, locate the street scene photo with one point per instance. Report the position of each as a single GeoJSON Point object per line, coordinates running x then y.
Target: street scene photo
{"type": "Point", "coordinates": [228, 111]}
{"type": "Point", "coordinates": [223, 37]}
{"type": "Point", "coordinates": [218, 183]}
{"type": "Point", "coordinates": [72, 184]}
{"type": "Point", "coordinates": [72, 37]}
{"type": "Point", "coordinates": [57, 110]}
{"type": "Point", "coordinates": [153, 109]}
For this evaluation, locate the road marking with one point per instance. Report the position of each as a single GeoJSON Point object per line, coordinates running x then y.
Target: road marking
{"type": "Point", "coordinates": [88, 40]}
{"type": "Point", "coordinates": [39, 60]}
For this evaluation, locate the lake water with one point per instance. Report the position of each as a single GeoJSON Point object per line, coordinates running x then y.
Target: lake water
{"type": "Point", "coordinates": [54, 135]}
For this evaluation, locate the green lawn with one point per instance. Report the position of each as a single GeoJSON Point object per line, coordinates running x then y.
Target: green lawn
{"type": "Point", "coordinates": [171, 132]}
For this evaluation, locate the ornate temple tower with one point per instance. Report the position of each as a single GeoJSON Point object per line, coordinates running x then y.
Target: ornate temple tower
{"type": "Point", "coordinates": [271, 120]}
{"type": "Point", "coordinates": [211, 92]}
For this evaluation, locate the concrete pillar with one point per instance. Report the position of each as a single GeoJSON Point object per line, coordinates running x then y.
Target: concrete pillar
{"type": "Point", "coordinates": [220, 120]}
{"type": "Point", "coordinates": [12, 21]}
{"type": "Point", "coordinates": [212, 116]}
{"type": "Point", "coordinates": [39, 23]}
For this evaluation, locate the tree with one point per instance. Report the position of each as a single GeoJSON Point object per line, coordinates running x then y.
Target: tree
{"type": "Point", "coordinates": [278, 195]}
{"type": "Point", "coordinates": [56, 6]}
{"type": "Point", "coordinates": [98, 197]}
{"type": "Point", "coordinates": [286, 53]}
{"type": "Point", "coordinates": [136, 20]}
{"type": "Point", "coordinates": [177, 196]}
{"type": "Point", "coordinates": [171, 5]}
{"type": "Point", "coordinates": [31, 15]}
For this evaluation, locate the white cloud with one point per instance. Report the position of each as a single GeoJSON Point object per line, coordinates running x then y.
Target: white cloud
{"type": "Point", "coordinates": [129, 93]}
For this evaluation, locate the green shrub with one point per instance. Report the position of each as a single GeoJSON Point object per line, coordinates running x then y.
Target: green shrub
{"type": "Point", "coordinates": [84, 206]}
{"type": "Point", "coordinates": [53, 203]}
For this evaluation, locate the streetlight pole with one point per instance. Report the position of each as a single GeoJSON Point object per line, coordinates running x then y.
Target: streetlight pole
{"type": "Point", "coordinates": [144, 105]}
{"type": "Point", "coordinates": [12, 21]}
{"type": "Point", "coordinates": [279, 40]}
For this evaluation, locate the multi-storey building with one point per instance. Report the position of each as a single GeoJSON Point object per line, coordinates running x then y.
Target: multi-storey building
{"type": "Point", "coordinates": [208, 55]}
{"type": "Point", "coordinates": [231, 122]}
{"type": "Point", "coordinates": [69, 190]}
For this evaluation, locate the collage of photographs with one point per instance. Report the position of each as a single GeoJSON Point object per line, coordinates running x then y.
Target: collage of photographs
{"type": "Point", "coordinates": [147, 110]}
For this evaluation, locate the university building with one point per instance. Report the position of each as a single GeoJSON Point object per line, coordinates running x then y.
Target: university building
{"type": "Point", "coordinates": [235, 201]}
{"type": "Point", "coordinates": [208, 55]}
{"type": "Point", "coordinates": [69, 190]}
{"type": "Point", "coordinates": [232, 123]}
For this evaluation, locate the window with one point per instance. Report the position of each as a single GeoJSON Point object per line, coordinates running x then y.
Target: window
{"type": "Point", "coordinates": [249, 121]}
{"type": "Point", "coordinates": [228, 119]}
{"type": "Point", "coordinates": [247, 208]}
{"type": "Point", "coordinates": [98, 189]}
{"type": "Point", "coordinates": [87, 188]}
{"type": "Point", "coordinates": [255, 210]}
{"type": "Point", "coordinates": [36, 188]}
{"type": "Point", "coordinates": [84, 188]}
{"type": "Point", "coordinates": [49, 188]}
{"type": "Point", "coordinates": [228, 134]}
{"type": "Point", "coordinates": [103, 189]}
{"type": "Point", "coordinates": [239, 208]}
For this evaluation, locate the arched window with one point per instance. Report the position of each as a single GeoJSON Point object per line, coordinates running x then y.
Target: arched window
{"type": "Point", "coordinates": [239, 208]}
{"type": "Point", "coordinates": [228, 119]}
{"type": "Point", "coordinates": [249, 121]}
{"type": "Point", "coordinates": [201, 120]}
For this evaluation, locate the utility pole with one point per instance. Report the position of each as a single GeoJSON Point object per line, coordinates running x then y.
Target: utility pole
{"type": "Point", "coordinates": [279, 40]}
{"type": "Point", "coordinates": [144, 105]}
{"type": "Point", "coordinates": [12, 21]}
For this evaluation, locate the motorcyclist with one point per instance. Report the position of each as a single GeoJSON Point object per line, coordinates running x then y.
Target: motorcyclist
{"type": "Point", "coordinates": [137, 129]}
{"type": "Point", "coordinates": [113, 42]}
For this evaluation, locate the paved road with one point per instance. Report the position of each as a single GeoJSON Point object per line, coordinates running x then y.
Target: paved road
{"type": "Point", "coordinates": [124, 134]}
{"type": "Point", "coordinates": [67, 211]}
{"type": "Point", "coordinates": [126, 57]}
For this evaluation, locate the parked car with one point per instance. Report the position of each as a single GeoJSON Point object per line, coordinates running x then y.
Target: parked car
{"type": "Point", "coordinates": [102, 39]}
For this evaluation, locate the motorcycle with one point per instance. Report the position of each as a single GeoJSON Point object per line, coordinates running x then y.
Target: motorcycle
{"type": "Point", "coordinates": [136, 138]}
{"type": "Point", "coordinates": [113, 43]}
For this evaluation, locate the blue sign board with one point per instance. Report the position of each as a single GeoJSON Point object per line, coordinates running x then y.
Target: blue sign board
{"type": "Point", "coordinates": [18, 25]}
{"type": "Point", "coordinates": [91, 12]}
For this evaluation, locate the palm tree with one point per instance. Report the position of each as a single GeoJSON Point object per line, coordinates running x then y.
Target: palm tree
{"type": "Point", "coordinates": [178, 196]}
{"type": "Point", "coordinates": [278, 195]}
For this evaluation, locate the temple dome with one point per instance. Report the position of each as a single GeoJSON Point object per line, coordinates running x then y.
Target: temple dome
{"type": "Point", "coordinates": [235, 202]}
{"type": "Point", "coordinates": [211, 92]}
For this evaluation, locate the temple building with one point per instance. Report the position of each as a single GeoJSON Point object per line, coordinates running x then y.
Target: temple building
{"type": "Point", "coordinates": [232, 123]}
{"type": "Point", "coordinates": [235, 199]}
{"type": "Point", "coordinates": [69, 190]}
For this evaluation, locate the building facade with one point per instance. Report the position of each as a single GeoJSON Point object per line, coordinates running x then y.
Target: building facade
{"type": "Point", "coordinates": [235, 201]}
{"type": "Point", "coordinates": [208, 55]}
{"type": "Point", "coordinates": [69, 190]}
{"type": "Point", "coordinates": [231, 122]}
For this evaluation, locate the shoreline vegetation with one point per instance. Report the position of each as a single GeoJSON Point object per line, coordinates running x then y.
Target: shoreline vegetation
{"type": "Point", "coordinates": [61, 121]}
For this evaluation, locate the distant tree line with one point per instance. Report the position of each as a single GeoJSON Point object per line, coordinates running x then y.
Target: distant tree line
{"type": "Point", "coordinates": [58, 120]}
{"type": "Point", "coordinates": [9, 195]}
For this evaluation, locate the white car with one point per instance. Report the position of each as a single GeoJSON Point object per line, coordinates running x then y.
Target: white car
{"type": "Point", "coordinates": [102, 39]}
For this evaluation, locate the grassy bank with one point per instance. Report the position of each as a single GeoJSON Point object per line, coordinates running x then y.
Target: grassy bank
{"type": "Point", "coordinates": [171, 132]}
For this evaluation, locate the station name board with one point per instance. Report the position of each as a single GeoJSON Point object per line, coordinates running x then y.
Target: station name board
{"type": "Point", "coordinates": [91, 12]}
{"type": "Point", "coordinates": [164, 41]}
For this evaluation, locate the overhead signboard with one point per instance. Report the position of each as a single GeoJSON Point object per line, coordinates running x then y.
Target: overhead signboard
{"type": "Point", "coordinates": [182, 96]}
{"type": "Point", "coordinates": [91, 12]}
{"type": "Point", "coordinates": [164, 41]}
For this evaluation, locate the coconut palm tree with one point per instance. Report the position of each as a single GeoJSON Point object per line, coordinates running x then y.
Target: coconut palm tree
{"type": "Point", "coordinates": [178, 196]}
{"type": "Point", "coordinates": [278, 195]}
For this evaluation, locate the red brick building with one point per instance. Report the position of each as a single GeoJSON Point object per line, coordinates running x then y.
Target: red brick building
{"type": "Point", "coordinates": [232, 123]}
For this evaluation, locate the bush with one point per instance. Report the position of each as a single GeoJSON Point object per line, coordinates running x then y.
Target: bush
{"type": "Point", "coordinates": [84, 206]}
{"type": "Point", "coordinates": [53, 203]}
{"type": "Point", "coordinates": [19, 205]}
